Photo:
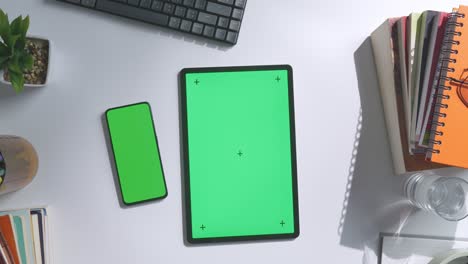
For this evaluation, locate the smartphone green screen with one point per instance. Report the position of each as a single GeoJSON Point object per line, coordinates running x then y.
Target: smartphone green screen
{"type": "Point", "coordinates": [240, 154]}
{"type": "Point", "coordinates": [136, 153]}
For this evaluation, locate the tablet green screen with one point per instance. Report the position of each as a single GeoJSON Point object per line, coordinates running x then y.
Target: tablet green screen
{"type": "Point", "coordinates": [136, 153]}
{"type": "Point", "coordinates": [240, 154]}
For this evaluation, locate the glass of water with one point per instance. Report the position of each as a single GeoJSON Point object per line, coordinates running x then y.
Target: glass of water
{"type": "Point", "coordinates": [444, 196]}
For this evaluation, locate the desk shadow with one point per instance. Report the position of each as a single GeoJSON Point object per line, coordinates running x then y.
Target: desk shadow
{"type": "Point", "coordinates": [8, 94]}
{"type": "Point", "coordinates": [183, 164]}
{"type": "Point", "coordinates": [10, 99]}
{"type": "Point", "coordinates": [7, 91]}
{"type": "Point", "coordinates": [147, 27]}
{"type": "Point", "coordinates": [374, 201]}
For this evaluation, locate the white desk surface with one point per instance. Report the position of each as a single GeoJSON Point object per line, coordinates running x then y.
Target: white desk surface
{"type": "Point", "coordinates": [101, 61]}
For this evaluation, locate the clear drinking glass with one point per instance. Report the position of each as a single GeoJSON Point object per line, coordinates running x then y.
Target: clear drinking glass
{"type": "Point", "coordinates": [444, 196]}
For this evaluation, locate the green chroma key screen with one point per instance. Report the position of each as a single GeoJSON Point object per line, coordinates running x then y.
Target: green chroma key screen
{"type": "Point", "coordinates": [136, 153]}
{"type": "Point", "coordinates": [239, 152]}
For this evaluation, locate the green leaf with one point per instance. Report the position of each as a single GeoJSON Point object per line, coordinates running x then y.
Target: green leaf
{"type": "Point", "coordinates": [13, 66]}
{"type": "Point", "coordinates": [26, 61]}
{"type": "Point", "coordinates": [4, 50]}
{"type": "Point", "coordinates": [4, 25]}
{"type": "Point", "coordinates": [17, 80]}
{"type": "Point", "coordinates": [21, 44]}
{"type": "Point", "coordinates": [3, 61]}
{"type": "Point", "coordinates": [11, 41]}
{"type": "Point", "coordinates": [15, 27]}
{"type": "Point", "coordinates": [25, 26]}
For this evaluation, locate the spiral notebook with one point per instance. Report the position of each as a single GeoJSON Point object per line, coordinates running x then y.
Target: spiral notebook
{"type": "Point", "coordinates": [449, 132]}
{"type": "Point", "coordinates": [386, 47]}
{"type": "Point", "coordinates": [424, 53]}
{"type": "Point", "coordinates": [434, 82]}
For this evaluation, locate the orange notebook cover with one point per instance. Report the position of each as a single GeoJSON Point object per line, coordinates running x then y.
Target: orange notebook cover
{"type": "Point", "coordinates": [449, 136]}
{"type": "Point", "coordinates": [7, 230]}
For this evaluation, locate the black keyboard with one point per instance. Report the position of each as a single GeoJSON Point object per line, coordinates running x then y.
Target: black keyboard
{"type": "Point", "coordinates": [216, 19]}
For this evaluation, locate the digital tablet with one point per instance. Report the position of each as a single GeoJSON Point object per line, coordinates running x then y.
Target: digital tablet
{"type": "Point", "coordinates": [239, 153]}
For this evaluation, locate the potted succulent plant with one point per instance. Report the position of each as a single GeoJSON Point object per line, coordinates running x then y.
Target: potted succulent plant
{"type": "Point", "coordinates": [24, 60]}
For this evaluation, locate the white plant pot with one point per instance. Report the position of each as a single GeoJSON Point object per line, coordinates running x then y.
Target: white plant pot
{"type": "Point", "coordinates": [42, 41]}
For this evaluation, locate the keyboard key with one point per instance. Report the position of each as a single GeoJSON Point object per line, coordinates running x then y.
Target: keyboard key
{"type": "Point", "coordinates": [207, 18]}
{"type": "Point", "coordinates": [186, 25]}
{"type": "Point", "coordinates": [237, 14]}
{"type": "Point", "coordinates": [157, 5]}
{"type": "Point", "coordinates": [218, 9]}
{"type": "Point", "coordinates": [189, 3]}
{"type": "Point", "coordinates": [168, 8]}
{"type": "Point", "coordinates": [235, 25]}
{"type": "Point", "coordinates": [200, 4]}
{"type": "Point", "coordinates": [241, 3]}
{"type": "Point", "coordinates": [223, 22]}
{"type": "Point", "coordinates": [197, 28]}
{"type": "Point", "coordinates": [174, 22]}
{"type": "Point", "coordinates": [145, 3]}
{"type": "Point", "coordinates": [88, 3]}
{"type": "Point", "coordinates": [227, 2]}
{"type": "Point", "coordinates": [180, 11]}
{"type": "Point", "coordinates": [214, 19]}
{"type": "Point", "coordinates": [134, 2]}
{"type": "Point", "coordinates": [134, 12]}
{"type": "Point", "coordinates": [220, 34]}
{"type": "Point", "coordinates": [192, 14]}
{"type": "Point", "coordinates": [208, 31]}
{"type": "Point", "coordinates": [232, 37]}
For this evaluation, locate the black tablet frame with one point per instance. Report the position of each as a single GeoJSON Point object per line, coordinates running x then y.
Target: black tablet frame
{"type": "Point", "coordinates": [186, 168]}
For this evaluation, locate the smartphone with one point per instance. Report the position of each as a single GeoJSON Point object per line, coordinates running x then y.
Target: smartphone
{"type": "Point", "coordinates": [136, 153]}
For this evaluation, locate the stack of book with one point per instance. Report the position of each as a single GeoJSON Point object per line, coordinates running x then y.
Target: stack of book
{"type": "Point", "coordinates": [422, 250]}
{"type": "Point", "coordinates": [23, 237]}
{"type": "Point", "coordinates": [422, 71]}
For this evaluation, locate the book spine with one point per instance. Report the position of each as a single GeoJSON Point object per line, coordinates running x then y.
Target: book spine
{"type": "Point", "coordinates": [447, 60]}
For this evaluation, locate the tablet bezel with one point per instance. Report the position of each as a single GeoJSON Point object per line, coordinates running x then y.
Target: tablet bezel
{"type": "Point", "coordinates": [185, 154]}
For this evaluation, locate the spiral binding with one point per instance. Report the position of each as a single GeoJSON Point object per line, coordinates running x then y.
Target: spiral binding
{"type": "Point", "coordinates": [446, 66]}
